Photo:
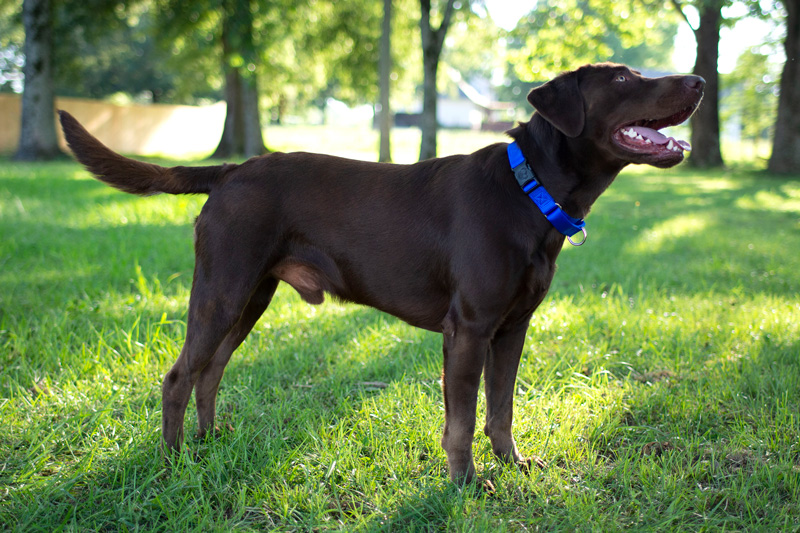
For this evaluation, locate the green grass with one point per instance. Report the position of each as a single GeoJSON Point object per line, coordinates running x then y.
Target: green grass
{"type": "Point", "coordinates": [660, 380]}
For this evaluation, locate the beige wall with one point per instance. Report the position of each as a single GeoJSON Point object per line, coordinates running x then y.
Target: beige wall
{"type": "Point", "coordinates": [155, 129]}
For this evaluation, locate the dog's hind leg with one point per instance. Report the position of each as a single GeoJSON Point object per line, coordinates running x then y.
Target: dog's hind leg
{"type": "Point", "coordinates": [205, 390]}
{"type": "Point", "coordinates": [226, 279]}
{"type": "Point", "coordinates": [211, 318]}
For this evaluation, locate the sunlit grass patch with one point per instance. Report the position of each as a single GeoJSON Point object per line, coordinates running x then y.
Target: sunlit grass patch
{"type": "Point", "coordinates": [786, 199]}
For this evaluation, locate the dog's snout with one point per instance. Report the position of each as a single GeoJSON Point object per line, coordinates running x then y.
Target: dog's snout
{"type": "Point", "coordinates": [694, 82]}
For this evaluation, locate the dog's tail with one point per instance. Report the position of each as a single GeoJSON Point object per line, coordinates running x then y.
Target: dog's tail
{"type": "Point", "coordinates": [134, 176]}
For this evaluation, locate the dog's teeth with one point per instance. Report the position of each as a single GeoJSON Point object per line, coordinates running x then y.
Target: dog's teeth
{"type": "Point", "coordinates": [639, 137]}
{"type": "Point", "coordinates": [648, 141]}
{"type": "Point", "coordinates": [670, 146]}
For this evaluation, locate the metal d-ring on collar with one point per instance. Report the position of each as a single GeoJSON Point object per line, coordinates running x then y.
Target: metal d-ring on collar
{"type": "Point", "coordinates": [564, 223]}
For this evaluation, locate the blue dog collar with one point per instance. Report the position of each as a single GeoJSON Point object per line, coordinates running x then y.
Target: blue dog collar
{"type": "Point", "coordinates": [564, 223]}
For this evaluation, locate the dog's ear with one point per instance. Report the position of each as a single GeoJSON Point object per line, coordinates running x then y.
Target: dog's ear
{"type": "Point", "coordinates": [560, 102]}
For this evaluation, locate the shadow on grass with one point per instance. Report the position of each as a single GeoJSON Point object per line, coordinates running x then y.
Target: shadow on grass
{"type": "Point", "coordinates": [64, 183]}
{"type": "Point", "coordinates": [748, 395]}
{"type": "Point", "coordinates": [690, 233]}
{"type": "Point", "coordinates": [49, 265]}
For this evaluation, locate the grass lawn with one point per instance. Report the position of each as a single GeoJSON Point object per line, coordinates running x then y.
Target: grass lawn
{"type": "Point", "coordinates": [660, 379]}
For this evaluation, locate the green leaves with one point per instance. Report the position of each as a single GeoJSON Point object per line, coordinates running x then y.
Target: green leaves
{"type": "Point", "coordinates": [752, 94]}
{"type": "Point", "coordinates": [562, 35]}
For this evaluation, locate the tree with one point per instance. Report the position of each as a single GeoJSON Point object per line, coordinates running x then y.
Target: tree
{"type": "Point", "coordinates": [561, 35]}
{"type": "Point", "coordinates": [786, 146]}
{"type": "Point", "coordinates": [122, 55]}
{"type": "Point", "coordinates": [385, 72]}
{"type": "Point", "coordinates": [751, 96]}
{"type": "Point", "coordinates": [78, 23]}
{"type": "Point", "coordinates": [241, 134]}
{"type": "Point", "coordinates": [225, 31]}
{"type": "Point", "coordinates": [345, 45]}
{"type": "Point", "coordinates": [281, 52]}
{"type": "Point", "coordinates": [706, 151]}
{"type": "Point", "coordinates": [361, 50]}
{"type": "Point", "coordinates": [432, 43]}
{"type": "Point", "coordinates": [473, 47]}
{"type": "Point", "coordinates": [37, 140]}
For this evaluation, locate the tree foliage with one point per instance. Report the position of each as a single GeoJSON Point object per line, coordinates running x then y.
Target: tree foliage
{"type": "Point", "coordinates": [346, 37]}
{"type": "Point", "coordinates": [562, 35]}
{"type": "Point", "coordinates": [11, 39]}
{"type": "Point", "coordinates": [299, 54]}
{"type": "Point", "coordinates": [306, 52]}
{"type": "Point", "coordinates": [752, 95]}
{"type": "Point", "coordinates": [473, 46]}
{"type": "Point", "coordinates": [127, 59]}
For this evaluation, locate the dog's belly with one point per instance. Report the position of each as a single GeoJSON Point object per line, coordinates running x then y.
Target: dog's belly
{"type": "Point", "coordinates": [412, 296]}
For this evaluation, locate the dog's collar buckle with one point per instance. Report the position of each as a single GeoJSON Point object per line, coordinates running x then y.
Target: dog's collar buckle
{"type": "Point", "coordinates": [578, 243]}
{"type": "Point", "coordinates": [564, 223]}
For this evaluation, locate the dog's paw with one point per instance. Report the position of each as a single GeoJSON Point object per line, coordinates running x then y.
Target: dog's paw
{"type": "Point", "coordinates": [485, 486]}
{"type": "Point", "coordinates": [478, 487]}
{"type": "Point", "coordinates": [526, 465]}
{"type": "Point", "coordinates": [214, 432]}
{"type": "Point", "coordinates": [204, 433]}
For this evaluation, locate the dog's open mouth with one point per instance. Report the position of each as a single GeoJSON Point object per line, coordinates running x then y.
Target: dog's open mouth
{"type": "Point", "coordinates": [643, 136]}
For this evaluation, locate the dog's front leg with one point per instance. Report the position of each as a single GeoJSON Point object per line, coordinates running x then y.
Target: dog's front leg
{"type": "Point", "coordinates": [464, 354]}
{"type": "Point", "coordinates": [500, 376]}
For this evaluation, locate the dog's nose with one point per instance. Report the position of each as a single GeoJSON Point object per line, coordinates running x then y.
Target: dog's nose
{"type": "Point", "coordinates": [694, 82]}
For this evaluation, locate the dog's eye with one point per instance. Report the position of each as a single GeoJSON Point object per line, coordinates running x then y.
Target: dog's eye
{"type": "Point", "coordinates": [621, 77]}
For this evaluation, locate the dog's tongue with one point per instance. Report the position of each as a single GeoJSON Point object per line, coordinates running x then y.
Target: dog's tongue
{"type": "Point", "coordinates": [657, 137]}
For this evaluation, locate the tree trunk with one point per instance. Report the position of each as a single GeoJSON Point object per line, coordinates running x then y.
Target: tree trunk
{"type": "Point", "coordinates": [385, 72]}
{"type": "Point", "coordinates": [705, 122]}
{"type": "Point", "coordinates": [37, 140]}
{"type": "Point", "coordinates": [428, 121]}
{"type": "Point", "coordinates": [241, 134]}
{"type": "Point", "coordinates": [232, 141]}
{"type": "Point", "coordinates": [432, 43]}
{"type": "Point", "coordinates": [253, 138]}
{"type": "Point", "coordinates": [786, 145]}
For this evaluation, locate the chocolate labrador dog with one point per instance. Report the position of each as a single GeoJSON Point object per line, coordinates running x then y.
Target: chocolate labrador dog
{"type": "Point", "coordinates": [464, 245]}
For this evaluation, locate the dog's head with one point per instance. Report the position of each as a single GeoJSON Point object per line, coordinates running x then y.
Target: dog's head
{"type": "Point", "coordinates": [621, 111]}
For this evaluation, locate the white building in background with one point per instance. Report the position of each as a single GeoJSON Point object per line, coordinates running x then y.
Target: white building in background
{"type": "Point", "coordinates": [469, 106]}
